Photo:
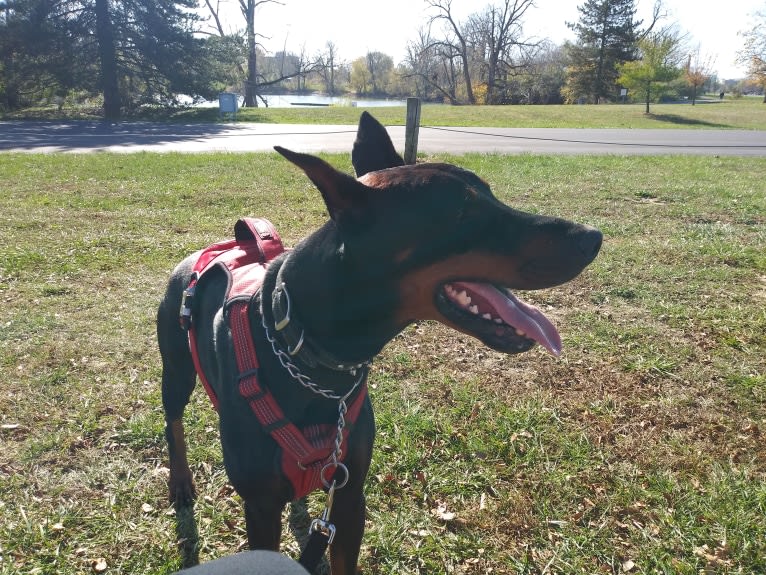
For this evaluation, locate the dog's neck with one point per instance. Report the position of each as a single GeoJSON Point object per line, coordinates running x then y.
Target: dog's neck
{"type": "Point", "coordinates": [316, 308]}
{"type": "Point", "coordinates": [291, 333]}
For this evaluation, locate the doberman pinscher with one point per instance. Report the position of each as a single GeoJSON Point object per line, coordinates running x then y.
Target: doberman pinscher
{"type": "Point", "coordinates": [427, 241]}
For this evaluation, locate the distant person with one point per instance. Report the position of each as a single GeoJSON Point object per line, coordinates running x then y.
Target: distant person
{"type": "Point", "coordinates": [721, 95]}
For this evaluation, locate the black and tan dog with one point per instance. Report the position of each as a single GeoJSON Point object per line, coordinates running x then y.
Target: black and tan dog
{"type": "Point", "coordinates": [403, 243]}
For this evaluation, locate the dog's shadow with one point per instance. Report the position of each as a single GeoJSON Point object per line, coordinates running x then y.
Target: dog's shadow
{"type": "Point", "coordinates": [187, 533]}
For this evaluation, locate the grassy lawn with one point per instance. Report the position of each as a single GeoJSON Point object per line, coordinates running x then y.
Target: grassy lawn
{"type": "Point", "coordinates": [748, 113]}
{"type": "Point", "coordinates": [640, 450]}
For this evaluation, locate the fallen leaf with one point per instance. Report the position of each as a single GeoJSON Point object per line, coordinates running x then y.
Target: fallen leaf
{"type": "Point", "coordinates": [441, 512]}
{"type": "Point", "coordinates": [146, 508]}
{"type": "Point", "coordinates": [99, 565]}
{"type": "Point", "coordinates": [628, 566]}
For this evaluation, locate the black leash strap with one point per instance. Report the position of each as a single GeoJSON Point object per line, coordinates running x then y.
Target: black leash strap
{"type": "Point", "coordinates": [314, 551]}
{"type": "Point", "coordinates": [322, 532]}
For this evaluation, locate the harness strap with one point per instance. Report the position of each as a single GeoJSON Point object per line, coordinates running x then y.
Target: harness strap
{"type": "Point", "coordinates": [304, 452]}
{"type": "Point", "coordinates": [200, 373]}
{"type": "Point", "coordinates": [255, 242]}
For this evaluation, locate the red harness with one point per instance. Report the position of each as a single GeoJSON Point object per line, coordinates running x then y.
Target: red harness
{"type": "Point", "coordinates": [305, 452]}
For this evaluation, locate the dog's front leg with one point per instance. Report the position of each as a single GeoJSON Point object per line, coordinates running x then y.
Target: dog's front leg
{"type": "Point", "coordinates": [348, 515]}
{"type": "Point", "coordinates": [181, 483]}
{"type": "Point", "coordinates": [264, 523]}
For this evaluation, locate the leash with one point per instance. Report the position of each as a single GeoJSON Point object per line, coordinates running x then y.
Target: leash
{"type": "Point", "coordinates": [322, 531]}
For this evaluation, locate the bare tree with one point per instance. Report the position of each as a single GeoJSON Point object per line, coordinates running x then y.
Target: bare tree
{"type": "Point", "coordinates": [753, 52]}
{"type": "Point", "coordinates": [498, 33]}
{"type": "Point", "coordinates": [255, 81]}
{"type": "Point", "coordinates": [489, 48]}
{"type": "Point", "coordinates": [379, 65]}
{"type": "Point", "coordinates": [431, 68]}
{"type": "Point", "coordinates": [328, 61]}
{"type": "Point", "coordinates": [248, 8]}
{"type": "Point", "coordinates": [455, 45]}
{"type": "Point", "coordinates": [542, 80]}
{"type": "Point", "coordinates": [698, 69]}
{"type": "Point", "coordinates": [215, 12]}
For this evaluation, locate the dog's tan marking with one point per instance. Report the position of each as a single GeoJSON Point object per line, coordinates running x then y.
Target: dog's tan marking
{"type": "Point", "coordinates": [418, 287]}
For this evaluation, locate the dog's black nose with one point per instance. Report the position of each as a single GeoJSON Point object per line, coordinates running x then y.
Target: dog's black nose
{"type": "Point", "coordinates": [589, 242]}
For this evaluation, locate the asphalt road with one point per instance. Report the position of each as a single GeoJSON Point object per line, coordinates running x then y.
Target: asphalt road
{"type": "Point", "coordinates": [83, 136]}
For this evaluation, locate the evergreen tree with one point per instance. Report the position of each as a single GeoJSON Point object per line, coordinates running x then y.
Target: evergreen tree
{"type": "Point", "coordinates": [606, 37]}
{"type": "Point", "coordinates": [150, 54]}
{"type": "Point", "coordinates": [132, 52]}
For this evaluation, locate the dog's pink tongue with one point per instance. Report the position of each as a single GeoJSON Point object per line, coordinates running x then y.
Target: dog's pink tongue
{"type": "Point", "coordinates": [523, 316]}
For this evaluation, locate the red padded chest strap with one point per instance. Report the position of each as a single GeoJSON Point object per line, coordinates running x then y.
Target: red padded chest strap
{"type": "Point", "coordinates": [304, 452]}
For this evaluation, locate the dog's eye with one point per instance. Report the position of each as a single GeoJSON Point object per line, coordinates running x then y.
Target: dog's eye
{"type": "Point", "coordinates": [465, 206]}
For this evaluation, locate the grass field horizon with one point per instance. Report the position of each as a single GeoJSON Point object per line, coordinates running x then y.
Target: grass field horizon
{"type": "Point", "coordinates": [639, 451]}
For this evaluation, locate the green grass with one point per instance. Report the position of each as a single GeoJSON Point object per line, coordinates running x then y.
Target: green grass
{"type": "Point", "coordinates": [640, 450]}
{"type": "Point", "coordinates": [747, 113]}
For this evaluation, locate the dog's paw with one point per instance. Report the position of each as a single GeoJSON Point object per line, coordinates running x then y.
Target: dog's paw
{"type": "Point", "coordinates": [181, 489]}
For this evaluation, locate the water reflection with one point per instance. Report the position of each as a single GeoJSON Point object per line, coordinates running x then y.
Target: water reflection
{"type": "Point", "coordinates": [298, 100]}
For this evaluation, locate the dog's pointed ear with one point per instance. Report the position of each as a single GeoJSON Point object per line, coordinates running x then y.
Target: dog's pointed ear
{"type": "Point", "coordinates": [347, 200]}
{"type": "Point", "coordinates": [373, 149]}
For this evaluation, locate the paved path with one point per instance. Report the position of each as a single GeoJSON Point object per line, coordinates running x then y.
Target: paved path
{"type": "Point", "coordinates": [82, 136]}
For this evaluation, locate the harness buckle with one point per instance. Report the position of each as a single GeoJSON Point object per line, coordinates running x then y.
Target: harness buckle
{"type": "Point", "coordinates": [185, 313]}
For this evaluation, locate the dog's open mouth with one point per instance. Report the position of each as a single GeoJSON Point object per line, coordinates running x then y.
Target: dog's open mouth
{"type": "Point", "coordinates": [497, 317]}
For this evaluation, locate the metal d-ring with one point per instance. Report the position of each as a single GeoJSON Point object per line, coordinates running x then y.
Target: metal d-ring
{"type": "Point", "coordinates": [282, 324]}
{"type": "Point", "coordinates": [298, 345]}
{"type": "Point", "coordinates": [336, 466]}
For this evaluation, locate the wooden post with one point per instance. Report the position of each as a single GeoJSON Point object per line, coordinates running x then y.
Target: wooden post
{"type": "Point", "coordinates": [412, 130]}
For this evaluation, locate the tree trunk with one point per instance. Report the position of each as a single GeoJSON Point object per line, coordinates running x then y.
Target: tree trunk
{"type": "Point", "coordinates": [467, 75]}
{"type": "Point", "coordinates": [108, 57]}
{"type": "Point", "coordinates": [251, 82]}
{"type": "Point", "coordinates": [648, 97]}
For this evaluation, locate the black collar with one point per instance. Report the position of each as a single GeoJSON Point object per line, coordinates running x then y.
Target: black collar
{"type": "Point", "coordinates": [293, 336]}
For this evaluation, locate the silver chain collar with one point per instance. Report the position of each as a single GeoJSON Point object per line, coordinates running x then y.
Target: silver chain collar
{"type": "Point", "coordinates": [312, 386]}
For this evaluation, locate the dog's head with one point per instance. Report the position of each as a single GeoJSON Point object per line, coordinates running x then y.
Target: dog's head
{"type": "Point", "coordinates": [431, 241]}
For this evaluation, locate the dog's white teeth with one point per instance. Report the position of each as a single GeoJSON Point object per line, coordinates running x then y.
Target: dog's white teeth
{"type": "Point", "coordinates": [486, 316]}
{"type": "Point", "coordinates": [464, 299]}
{"type": "Point", "coordinates": [474, 309]}
{"type": "Point", "coordinates": [520, 333]}
{"type": "Point", "coordinates": [498, 320]}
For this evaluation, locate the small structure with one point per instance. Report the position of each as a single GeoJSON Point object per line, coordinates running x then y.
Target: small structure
{"type": "Point", "coordinates": [227, 104]}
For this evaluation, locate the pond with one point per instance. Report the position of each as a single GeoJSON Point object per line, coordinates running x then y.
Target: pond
{"type": "Point", "coordinates": [300, 100]}
{"type": "Point", "coordinates": [319, 100]}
